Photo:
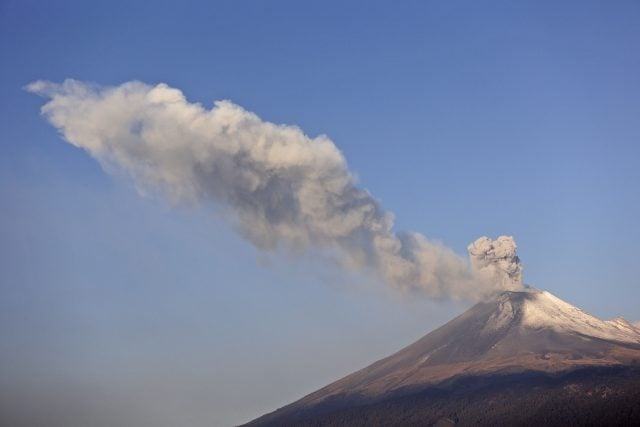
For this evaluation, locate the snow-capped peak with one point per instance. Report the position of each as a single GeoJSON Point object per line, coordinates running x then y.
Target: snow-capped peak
{"type": "Point", "coordinates": [541, 309]}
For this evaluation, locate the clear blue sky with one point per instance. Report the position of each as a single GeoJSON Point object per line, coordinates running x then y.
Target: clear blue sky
{"type": "Point", "coordinates": [463, 118]}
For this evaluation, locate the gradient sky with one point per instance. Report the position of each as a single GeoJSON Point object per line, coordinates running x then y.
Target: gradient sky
{"type": "Point", "coordinates": [464, 119]}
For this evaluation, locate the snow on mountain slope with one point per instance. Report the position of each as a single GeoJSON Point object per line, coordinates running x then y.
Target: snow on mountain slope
{"type": "Point", "coordinates": [545, 310]}
{"type": "Point", "coordinates": [539, 310]}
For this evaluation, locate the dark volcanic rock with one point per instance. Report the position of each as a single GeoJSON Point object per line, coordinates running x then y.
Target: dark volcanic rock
{"type": "Point", "coordinates": [586, 397]}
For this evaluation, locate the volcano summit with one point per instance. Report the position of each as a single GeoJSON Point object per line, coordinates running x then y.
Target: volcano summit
{"type": "Point", "coordinates": [523, 358]}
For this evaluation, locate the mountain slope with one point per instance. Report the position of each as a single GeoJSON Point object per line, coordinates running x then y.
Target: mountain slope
{"type": "Point", "coordinates": [589, 396]}
{"type": "Point", "coordinates": [515, 333]}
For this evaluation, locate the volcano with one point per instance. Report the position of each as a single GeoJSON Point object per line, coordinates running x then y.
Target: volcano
{"type": "Point", "coordinates": [522, 358]}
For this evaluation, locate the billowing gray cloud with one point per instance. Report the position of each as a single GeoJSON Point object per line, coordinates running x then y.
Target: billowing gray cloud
{"type": "Point", "coordinates": [277, 186]}
{"type": "Point", "coordinates": [496, 261]}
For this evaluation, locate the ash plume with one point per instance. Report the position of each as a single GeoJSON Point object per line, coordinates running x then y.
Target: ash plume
{"type": "Point", "coordinates": [280, 188]}
{"type": "Point", "coordinates": [496, 261]}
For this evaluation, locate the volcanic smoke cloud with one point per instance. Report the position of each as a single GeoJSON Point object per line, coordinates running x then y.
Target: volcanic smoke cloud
{"type": "Point", "coordinates": [278, 187]}
{"type": "Point", "coordinates": [497, 261]}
